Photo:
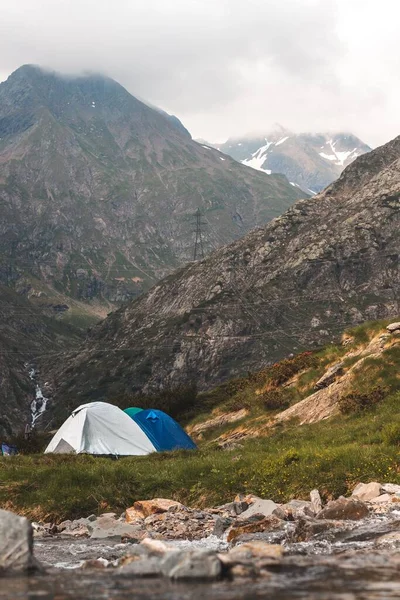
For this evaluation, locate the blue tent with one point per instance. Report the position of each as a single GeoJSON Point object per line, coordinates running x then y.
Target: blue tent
{"type": "Point", "coordinates": [163, 432]}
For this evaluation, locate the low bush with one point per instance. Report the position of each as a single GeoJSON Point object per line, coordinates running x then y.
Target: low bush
{"type": "Point", "coordinates": [275, 399]}
{"type": "Point", "coordinates": [356, 401]}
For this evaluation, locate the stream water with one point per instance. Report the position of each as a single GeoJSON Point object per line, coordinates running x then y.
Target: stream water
{"type": "Point", "coordinates": [360, 562]}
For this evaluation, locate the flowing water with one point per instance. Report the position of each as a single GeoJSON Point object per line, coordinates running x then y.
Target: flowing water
{"type": "Point", "coordinates": [359, 561]}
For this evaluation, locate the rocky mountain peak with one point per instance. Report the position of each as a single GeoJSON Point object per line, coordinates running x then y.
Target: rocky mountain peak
{"type": "Point", "coordinates": [98, 190]}
{"type": "Point", "coordinates": [329, 262]}
{"type": "Point", "coordinates": [310, 161]}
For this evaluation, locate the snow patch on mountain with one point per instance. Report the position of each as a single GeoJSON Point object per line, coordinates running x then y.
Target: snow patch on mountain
{"type": "Point", "coordinates": [258, 158]}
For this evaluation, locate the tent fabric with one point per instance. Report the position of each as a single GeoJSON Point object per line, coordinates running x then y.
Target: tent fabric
{"type": "Point", "coordinates": [100, 428]}
{"type": "Point", "coordinates": [132, 410]}
{"type": "Point", "coordinates": [163, 431]}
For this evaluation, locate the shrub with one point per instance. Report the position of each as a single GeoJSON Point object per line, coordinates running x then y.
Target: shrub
{"type": "Point", "coordinates": [280, 372]}
{"type": "Point", "coordinates": [356, 401]}
{"type": "Point", "coordinates": [275, 399]}
{"type": "Point", "coordinates": [174, 401]}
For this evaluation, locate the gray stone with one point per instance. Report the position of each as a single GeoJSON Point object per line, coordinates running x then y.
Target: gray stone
{"type": "Point", "coordinates": [393, 327]}
{"type": "Point", "coordinates": [280, 513]}
{"type": "Point", "coordinates": [329, 377]}
{"type": "Point", "coordinates": [107, 527]}
{"type": "Point", "coordinates": [316, 502]}
{"type": "Point", "coordinates": [382, 499]}
{"type": "Point", "coordinates": [390, 488]}
{"type": "Point", "coordinates": [147, 567]}
{"type": "Point", "coordinates": [259, 507]}
{"type": "Point", "coordinates": [367, 491]}
{"type": "Point", "coordinates": [192, 564]}
{"type": "Point", "coordinates": [16, 543]}
{"type": "Point", "coordinates": [298, 508]}
{"type": "Point", "coordinates": [221, 525]}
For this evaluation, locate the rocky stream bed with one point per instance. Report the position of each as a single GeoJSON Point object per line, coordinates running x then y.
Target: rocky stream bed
{"type": "Point", "coordinates": [250, 548]}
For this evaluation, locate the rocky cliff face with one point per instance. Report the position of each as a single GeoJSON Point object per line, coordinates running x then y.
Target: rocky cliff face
{"type": "Point", "coordinates": [328, 262]}
{"type": "Point", "coordinates": [309, 161]}
{"type": "Point", "coordinates": [98, 190]}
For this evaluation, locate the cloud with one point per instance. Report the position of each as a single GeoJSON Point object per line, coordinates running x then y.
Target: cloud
{"type": "Point", "coordinates": [224, 67]}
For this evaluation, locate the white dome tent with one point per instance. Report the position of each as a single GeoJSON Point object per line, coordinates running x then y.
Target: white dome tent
{"type": "Point", "coordinates": [100, 428]}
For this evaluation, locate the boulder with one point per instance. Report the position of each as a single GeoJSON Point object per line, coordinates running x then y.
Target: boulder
{"type": "Point", "coordinates": [221, 525]}
{"type": "Point", "coordinates": [329, 377]}
{"type": "Point", "coordinates": [344, 508]}
{"type": "Point", "coordinates": [108, 527]}
{"type": "Point", "coordinates": [316, 502]}
{"type": "Point", "coordinates": [270, 523]}
{"type": "Point", "coordinates": [16, 543]}
{"type": "Point", "coordinates": [298, 508]}
{"type": "Point", "coordinates": [192, 565]}
{"type": "Point", "coordinates": [382, 499]}
{"type": "Point", "coordinates": [147, 567]}
{"type": "Point", "coordinates": [145, 508]}
{"type": "Point", "coordinates": [393, 327]}
{"type": "Point", "coordinates": [367, 491]}
{"type": "Point", "coordinates": [259, 507]}
{"type": "Point", "coordinates": [306, 529]}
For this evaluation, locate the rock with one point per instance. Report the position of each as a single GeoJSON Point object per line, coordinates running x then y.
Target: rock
{"type": "Point", "coordinates": [245, 571]}
{"type": "Point", "coordinates": [367, 491]}
{"type": "Point", "coordinates": [193, 564]}
{"type": "Point", "coordinates": [95, 563]}
{"type": "Point", "coordinates": [81, 531]}
{"type": "Point", "coordinates": [145, 508]}
{"type": "Point", "coordinates": [388, 538]}
{"type": "Point", "coordinates": [344, 508]}
{"type": "Point", "coordinates": [316, 502]}
{"type": "Point", "coordinates": [221, 525]}
{"type": "Point", "coordinates": [270, 523]}
{"type": "Point", "coordinates": [390, 488]}
{"type": "Point", "coordinates": [248, 498]}
{"type": "Point", "coordinates": [259, 507]}
{"type": "Point", "coordinates": [393, 327]}
{"type": "Point", "coordinates": [147, 567]}
{"type": "Point", "coordinates": [154, 546]}
{"type": "Point", "coordinates": [107, 526]}
{"type": "Point", "coordinates": [329, 377]}
{"type": "Point", "coordinates": [280, 513]}
{"type": "Point", "coordinates": [233, 508]}
{"type": "Point", "coordinates": [306, 529]}
{"type": "Point", "coordinates": [132, 515]}
{"type": "Point", "coordinates": [16, 543]}
{"type": "Point", "coordinates": [383, 499]}
{"type": "Point", "coordinates": [298, 508]}
{"type": "Point", "coordinates": [256, 549]}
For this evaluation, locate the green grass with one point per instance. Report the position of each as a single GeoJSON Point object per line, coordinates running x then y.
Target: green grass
{"type": "Point", "coordinates": [287, 462]}
{"type": "Point", "coordinates": [332, 456]}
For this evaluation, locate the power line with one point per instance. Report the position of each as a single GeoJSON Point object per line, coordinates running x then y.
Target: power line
{"type": "Point", "coordinates": [198, 245]}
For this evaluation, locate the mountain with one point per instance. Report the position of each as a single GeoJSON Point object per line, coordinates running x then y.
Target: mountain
{"type": "Point", "coordinates": [26, 334]}
{"type": "Point", "coordinates": [98, 190]}
{"type": "Point", "coordinates": [329, 262]}
{"type": "Point", "coordinates": [309, 161]}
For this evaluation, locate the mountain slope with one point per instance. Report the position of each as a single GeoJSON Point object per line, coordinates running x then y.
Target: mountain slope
{"type": "Point", "coordinates": [25, 335]}
{"type": "Point", "coordinates": [328, 262]}
{"type": "Point", "coordinates": [309, 161]}
{"type": "Point", "coordinates": [98, 190]}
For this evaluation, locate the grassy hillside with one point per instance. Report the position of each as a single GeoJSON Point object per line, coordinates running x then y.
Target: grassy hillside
{"type": "Point", "coordinates": [262, 453]}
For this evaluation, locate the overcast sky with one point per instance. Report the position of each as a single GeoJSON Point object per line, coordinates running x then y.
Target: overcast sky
{"type": "Point", "coordinates": [226, 67]}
